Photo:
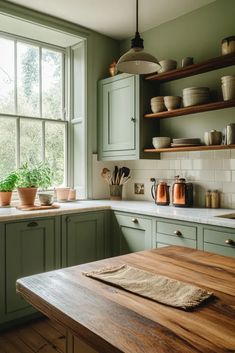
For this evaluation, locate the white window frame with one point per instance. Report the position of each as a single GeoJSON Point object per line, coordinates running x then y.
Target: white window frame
{"type": "Point", "coordinates": [64, 120]}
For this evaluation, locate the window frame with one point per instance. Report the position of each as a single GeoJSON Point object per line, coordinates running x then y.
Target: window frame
{"type": "Point", "coordinates": [65, 118]}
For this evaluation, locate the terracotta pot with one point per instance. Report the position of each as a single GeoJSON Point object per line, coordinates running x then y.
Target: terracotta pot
{"type": "Point", "coordinates": [5, 198]}
{"type": "Point", "coordinates": [27, 196]}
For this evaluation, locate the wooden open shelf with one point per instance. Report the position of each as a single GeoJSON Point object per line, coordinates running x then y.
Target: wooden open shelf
{"type": "Point", "coordinates": [195, 69]}
{"type": "Point", "coordinates": [191, 148]}
{"type": "Point", "coordinates": [193, 109]}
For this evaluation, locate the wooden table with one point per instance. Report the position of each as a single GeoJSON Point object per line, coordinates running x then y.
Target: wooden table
{"type": "Point", "coordinates": [112, 320]}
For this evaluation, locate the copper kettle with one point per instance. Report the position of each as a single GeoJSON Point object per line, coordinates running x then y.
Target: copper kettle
{"type": "Point", "coordinates": [182, 193]}
{"type": "Point", "coordinates": [160, 192]}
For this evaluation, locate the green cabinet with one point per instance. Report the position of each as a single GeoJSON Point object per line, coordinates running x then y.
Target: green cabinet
{"type": "Point", "coordinates": [169, 232]}
{"type": "Point", "coordinates": [84, 238]}
{"type": "Point", "coordinates": [123, 99]}
{"type": "Point", "coordinates": [219, 240]}
{"type": "Point", "coordinates": [30, 247]}
{"type": "Point", "coordinates": [130, 233]}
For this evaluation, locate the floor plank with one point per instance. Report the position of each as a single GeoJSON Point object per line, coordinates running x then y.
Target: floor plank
{"type": "Point", "coordinates": [41, 336]}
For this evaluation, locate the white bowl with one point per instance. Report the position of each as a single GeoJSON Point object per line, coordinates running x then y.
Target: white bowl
{"type": "Point", "coordinates": [157, 99]}
{"type": "Point", "coordinates": [157, 107]}
{"type": "Point", "coordinates": [161, 142]}
{"type": "Point", "coordinates": [228, 90]}
{"type": "Point", "coordinates": [172, 102]}
{"type": "Point", "coordinates": [167, 65]}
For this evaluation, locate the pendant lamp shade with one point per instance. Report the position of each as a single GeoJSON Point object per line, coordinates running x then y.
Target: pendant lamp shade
{"type": "Point", "coordinates": [136, 60]}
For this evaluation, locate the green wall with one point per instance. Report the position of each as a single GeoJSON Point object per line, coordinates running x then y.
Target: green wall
{"type": "Point", "coordinates": [197, 34]}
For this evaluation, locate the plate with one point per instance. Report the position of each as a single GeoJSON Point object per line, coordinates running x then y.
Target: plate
{"type": "Point", "coordinates": [184, 144]}
{"type": "Point", "coordinates": [192, 140]}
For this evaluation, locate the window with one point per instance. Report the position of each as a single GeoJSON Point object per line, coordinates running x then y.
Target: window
{"type": "Point", "coordinates": [32, 105]}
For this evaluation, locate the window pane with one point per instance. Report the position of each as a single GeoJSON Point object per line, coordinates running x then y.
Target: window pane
{"type": "Point", "coordinates": [30, 141]}
{"type": "Point", "coordinates": [7, 76]}
{"type": "Point", "coordinates": [28, 80]}
{"type": "Point", "coordinates": [7, 146]}
{"type": "Point", "coordinates": [55, 150]}
{"type": "Point", "coordinates": [51, 84]}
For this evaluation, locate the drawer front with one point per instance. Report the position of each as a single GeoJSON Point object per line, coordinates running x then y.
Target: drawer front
{"type": "Point", "coordinates": [173, 240]}
{"type": "Point", "coordinates": [133, 221]}
{"type": "Point", "coordinates": [226, 239]}
{"type": "Point", "coordinates": [177, 230]}
{"type": "Point", "coordinates": [219, 249]}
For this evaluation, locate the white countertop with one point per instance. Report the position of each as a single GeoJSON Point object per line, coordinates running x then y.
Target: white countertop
{"type": "Point", "coordinates": [197, 215]}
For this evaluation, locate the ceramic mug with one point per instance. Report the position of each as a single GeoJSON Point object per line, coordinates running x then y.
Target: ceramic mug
{"type": "Point", "coordinates": [187, 61]}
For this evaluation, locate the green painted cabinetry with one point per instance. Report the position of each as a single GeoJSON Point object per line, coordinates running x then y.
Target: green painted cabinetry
{"type": "Point", "coordinates": [169, 232]}
{"type": "Point", "coordinates": [123, 100]}
{"type": "Point", "coordinates": [219, 240]}
{"type": "Point", "coordinates": [130, 233]}
{"type": "Point", "coordinates": [84, 238]}
{"type": "Point", "coordinates": [30, 247]}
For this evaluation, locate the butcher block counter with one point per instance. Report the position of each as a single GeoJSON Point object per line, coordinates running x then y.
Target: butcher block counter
{"type": "Point", "coordinates": [110, 320]}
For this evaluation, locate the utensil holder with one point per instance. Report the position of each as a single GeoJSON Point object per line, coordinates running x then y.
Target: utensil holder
{"type": "Point", "coordinates": [115, 192]}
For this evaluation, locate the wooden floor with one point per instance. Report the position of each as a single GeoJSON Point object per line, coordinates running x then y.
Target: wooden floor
{"type": "Point", "coordinates": [41, 336]}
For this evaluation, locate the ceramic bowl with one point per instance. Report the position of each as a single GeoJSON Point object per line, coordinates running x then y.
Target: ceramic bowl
{"type": "Point", "coordinates": [167, 65]}
{"type": "Point", "coordinates": [62, 194]}
{"type": "Point", "coordinates": [45, 199]}
{"type": "Point", "coordinates": [157, 107]}
{"type": "Point", "coordinates": [161, 142]}
{"type": "Point", "coordinates": [172, 102]}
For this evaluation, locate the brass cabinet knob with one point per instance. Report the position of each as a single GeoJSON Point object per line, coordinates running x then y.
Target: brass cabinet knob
{"type": "Point", "coordinates": [229, 242]}
{"type": "Point", "coordinates": [68, 219]}
{"type": "Point", "coordinates": [178, 233]}
{"type": "Point", "coordinates": [32, 224]}
{"type": "Point", "coordinates": [135, 220]}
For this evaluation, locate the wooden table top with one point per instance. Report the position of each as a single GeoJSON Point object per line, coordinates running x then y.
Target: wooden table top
{"type": "Point", "coordinates": [112, 320]}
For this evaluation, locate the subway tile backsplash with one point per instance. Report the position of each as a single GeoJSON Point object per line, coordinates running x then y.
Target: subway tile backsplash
{"type": "Point", "coordinates": [207, 170]}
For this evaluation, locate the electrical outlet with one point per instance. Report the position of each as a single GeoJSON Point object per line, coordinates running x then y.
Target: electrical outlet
{"type": "Point", "coordinates": [139, 188]}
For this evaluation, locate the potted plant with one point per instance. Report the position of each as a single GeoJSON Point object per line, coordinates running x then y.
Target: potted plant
{"type": "Point", "coordinates": [30, 178]}
{"type": "Point", "coordinates": [7, 185]}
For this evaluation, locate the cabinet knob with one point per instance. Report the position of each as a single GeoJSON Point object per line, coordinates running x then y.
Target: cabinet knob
{"type": "Point", "coordinates": [229, 242]}
{"type": "Point", "coordinates": [135, 220]}
{"type": "Point", "coordinates": [32, 224]}
{"type": "Point", "coordinates": [68, 219]}
{"type": "Point", "coordinates": [133, 119]}
{"type": "Point", "coordinates": [178, 233]}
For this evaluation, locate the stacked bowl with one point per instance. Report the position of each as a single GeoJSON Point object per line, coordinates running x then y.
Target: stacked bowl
{"type": "Point", "coordinates": [157, 104]}
{"type": "Point", "coordinates": [228, 87]}
{"type": "Point", "coordinates": [195, 96]}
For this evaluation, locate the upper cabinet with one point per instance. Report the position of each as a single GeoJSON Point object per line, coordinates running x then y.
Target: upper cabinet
{"type": "Point", "coordinates": [123, 100]}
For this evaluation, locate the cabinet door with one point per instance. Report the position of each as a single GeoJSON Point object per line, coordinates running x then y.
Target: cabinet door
{"type": "Point", "coordinates": [131, 233]}
{"type": "Point", "coordinates": [117, 116]}
{"type": "Point", "coordinates": [30, 249]}
{"type": "Point", "coordinates": [83, 238]}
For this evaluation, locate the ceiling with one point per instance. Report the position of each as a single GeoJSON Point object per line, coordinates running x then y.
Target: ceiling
{"type": "Point", "coordinates": [115, 18]}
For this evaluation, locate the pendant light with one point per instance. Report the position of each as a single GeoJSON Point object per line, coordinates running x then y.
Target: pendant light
{"type": "Point", "coordinates": [136, 60]}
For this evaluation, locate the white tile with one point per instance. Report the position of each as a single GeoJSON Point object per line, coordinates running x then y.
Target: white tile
{"type": "Point", "coordinates": [233, 175]}
{"type": "Point", "coordinates": [232, 164]}
{"type": "Point", "coordinates": [206, 175]}
{"type": "Point", "coordinates": [207, 154]}
{"type": "Point", "coordinates": [222, 154]}
{"type": "Point", "coordinates": [229, 187]}
{"type": "Point", "coordinates": [168, 155]}
{"type": "Point", "coordinates": [186, 164]}
{"type": "Point", "coordinates": [182, 155]}
{"type": "Point", "coordinates": [232, 153]}
{"type": "Point", "coordinates": [165, 164]}
{"type": "Point", "coordinates": [225, 200]}
{"type": "Point", "coordinates": [223, 175]}
{"type": "Point", "coordinates": [194, 155]}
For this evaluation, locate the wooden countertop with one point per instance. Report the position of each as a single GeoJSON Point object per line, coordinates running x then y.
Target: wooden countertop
{"type": "Point", "coordinates": [112, 320]}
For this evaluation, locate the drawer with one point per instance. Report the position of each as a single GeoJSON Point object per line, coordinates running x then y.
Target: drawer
{"type": "Point", "coordinates": [219, 249]}
{"type": "Point", "coordinates": [133, 221]}
{"type": "Point", "coordinates": [174, 240]}
{"type": "Point", "coordinates": [226, 239]}
{"type": "Point", "coordinates": [177, 230]}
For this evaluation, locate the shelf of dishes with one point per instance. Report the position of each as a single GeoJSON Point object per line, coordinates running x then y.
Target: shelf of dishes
{"type": "Point", "coordinates": [192, 109]}
{"type": "Point", "coordinates": [190, 148]}
{"type": "Point", "coordinates": [194, 69]}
